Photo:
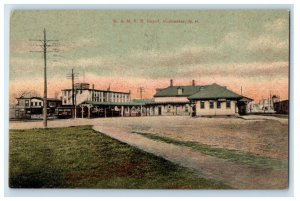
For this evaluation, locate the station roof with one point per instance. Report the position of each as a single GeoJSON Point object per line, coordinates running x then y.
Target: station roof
{"type": "Point", "coordinates": [172, 91]}
{"type": "Point", "coordinates": [214, 91]}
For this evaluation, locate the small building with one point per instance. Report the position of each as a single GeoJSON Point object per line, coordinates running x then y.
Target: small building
{"type": "Point", "coordinates": [32, 108]}
{"type": "Point", "coordinates": [212, 100]}
{"type": "Point", "coordinates": [282, 107]}
{"type": "Point", "coordinates": [246, 105]}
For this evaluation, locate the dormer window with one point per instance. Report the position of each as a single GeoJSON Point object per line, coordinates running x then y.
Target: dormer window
{"type": "Point", "coordinates": [179, 91]}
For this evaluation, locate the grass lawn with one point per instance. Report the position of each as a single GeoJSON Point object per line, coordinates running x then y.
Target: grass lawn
{"type": "Point", "coordinates": [79, 157]}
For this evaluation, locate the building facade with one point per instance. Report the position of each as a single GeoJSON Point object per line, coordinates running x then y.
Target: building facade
{"type": "Point", "coordinates": [32, 108]}
{"type": "Point", "coordinates": [214, 100]}
{"type": "Point", "coordinates": [195, 100]}
{"type": "Point", "coordinates": [173, 100]}
{"type": "Point", "coordinates": [90, 102]}
{"type": "Point", "coordinates": [84, 93]}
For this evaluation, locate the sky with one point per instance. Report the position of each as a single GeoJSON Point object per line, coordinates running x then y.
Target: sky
{"type": "Point", "coordinates": [128, 49]}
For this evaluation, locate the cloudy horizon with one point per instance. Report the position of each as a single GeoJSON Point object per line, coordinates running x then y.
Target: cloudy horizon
{"type": "Point", "coordinates": [238, 48]}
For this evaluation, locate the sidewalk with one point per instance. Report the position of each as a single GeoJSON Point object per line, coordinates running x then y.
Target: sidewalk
{"type": "Point", "coordinates": [236, 175]}
{"type": "Point", "coordinates": [262, 117]}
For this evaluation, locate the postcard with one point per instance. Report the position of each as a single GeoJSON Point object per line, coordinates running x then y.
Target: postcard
{"type": "Point", "coordinates": [149, 99]}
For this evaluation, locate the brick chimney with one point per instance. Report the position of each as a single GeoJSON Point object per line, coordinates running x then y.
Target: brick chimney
{"type": "Point", "coordinates": [171, 82]}
{"type": "Point", "coordinates": [193, 83]}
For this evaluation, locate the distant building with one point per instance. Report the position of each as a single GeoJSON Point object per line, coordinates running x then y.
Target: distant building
{"type": "Point", "coordinates": [85, 93]}
{"type": "Point", "coordinates": [32, 107]}
{"type": "Point", "coordinates": [282, 107]}
{"type": "Point", "coordinates": [264, 106]}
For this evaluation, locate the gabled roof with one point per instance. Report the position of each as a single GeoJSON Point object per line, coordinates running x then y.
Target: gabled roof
{"type": "Point", "coordinates": [36, 97]}
{"type": "Point", "coordinates": [214, 91]}
{"type": "Point", "coordinates": [173, 91]}
{"type": "Point", "coordinates": [246, 99]}
{"type": "Point", "coordinates": [30, 97]}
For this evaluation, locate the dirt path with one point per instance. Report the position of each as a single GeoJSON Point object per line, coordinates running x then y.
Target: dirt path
{"type": "Point", "coordinates": [235, 175]}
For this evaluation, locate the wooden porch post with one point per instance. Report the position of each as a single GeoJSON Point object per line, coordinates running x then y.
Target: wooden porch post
{"type": "Point", "coordinates": [122, 111]}
{"type": "Point", "coordinates": [89, 111]}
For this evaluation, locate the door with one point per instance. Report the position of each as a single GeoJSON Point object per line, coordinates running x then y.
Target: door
{"type": "Point", "coordinates": [159, 110]}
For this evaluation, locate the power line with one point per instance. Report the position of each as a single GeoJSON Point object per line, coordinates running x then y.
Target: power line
{"type": "Point", "coordinates": [45, 44]}
{"type": "Point", "coordinates": [73, 76]}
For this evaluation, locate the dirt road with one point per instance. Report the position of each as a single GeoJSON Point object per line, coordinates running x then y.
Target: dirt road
{"type": "Point", "coordinates": [263, 137]}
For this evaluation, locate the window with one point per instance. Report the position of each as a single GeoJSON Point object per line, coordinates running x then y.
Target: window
{"type": "Point", "coordinates": [202, 104]}
{"type": "Point", "coordinates": [211, 104]}
{"type": "Point", "coordinates": [218, 104]}
{"type": "Point", "coordinates": [35, 104]}
{"type": "Point", "coordinates": [40, 103]}
{"type": "Point", "coordinates": [179, 91]}
{"type": "Point", "coordinates": [228, 104]}
{"type": "Point", "coordinates": [26, 103]}
{"type": "Point", "coordinates": [31, 103]}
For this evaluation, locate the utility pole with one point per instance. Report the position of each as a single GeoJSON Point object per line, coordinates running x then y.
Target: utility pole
{"type": "Point", "coordinates": [141, 90]}
{"type": "Point", "coordinates": [73, 76]}
{"type": "Point", "coordinates": [93, 89]}
{"type": "Point", "coordinates": [241, 90]}
{"type": "Point", "coordinates": [45, 81]}
{"type": "Point", "coordinates": [270, 103]}
{"type": "Point", "coordinates": [45, 45]}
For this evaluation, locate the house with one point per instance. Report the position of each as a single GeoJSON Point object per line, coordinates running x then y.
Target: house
{"type": "Point", "coordinates": [32, 107]}
{"type": "Point", "coordinates": [196, 100]}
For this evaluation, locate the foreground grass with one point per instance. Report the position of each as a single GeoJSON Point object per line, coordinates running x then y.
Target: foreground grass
{"type": "Point", "coordinates": [232, 155]}
{"type": "Point", "coordinates": [79, 157]}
